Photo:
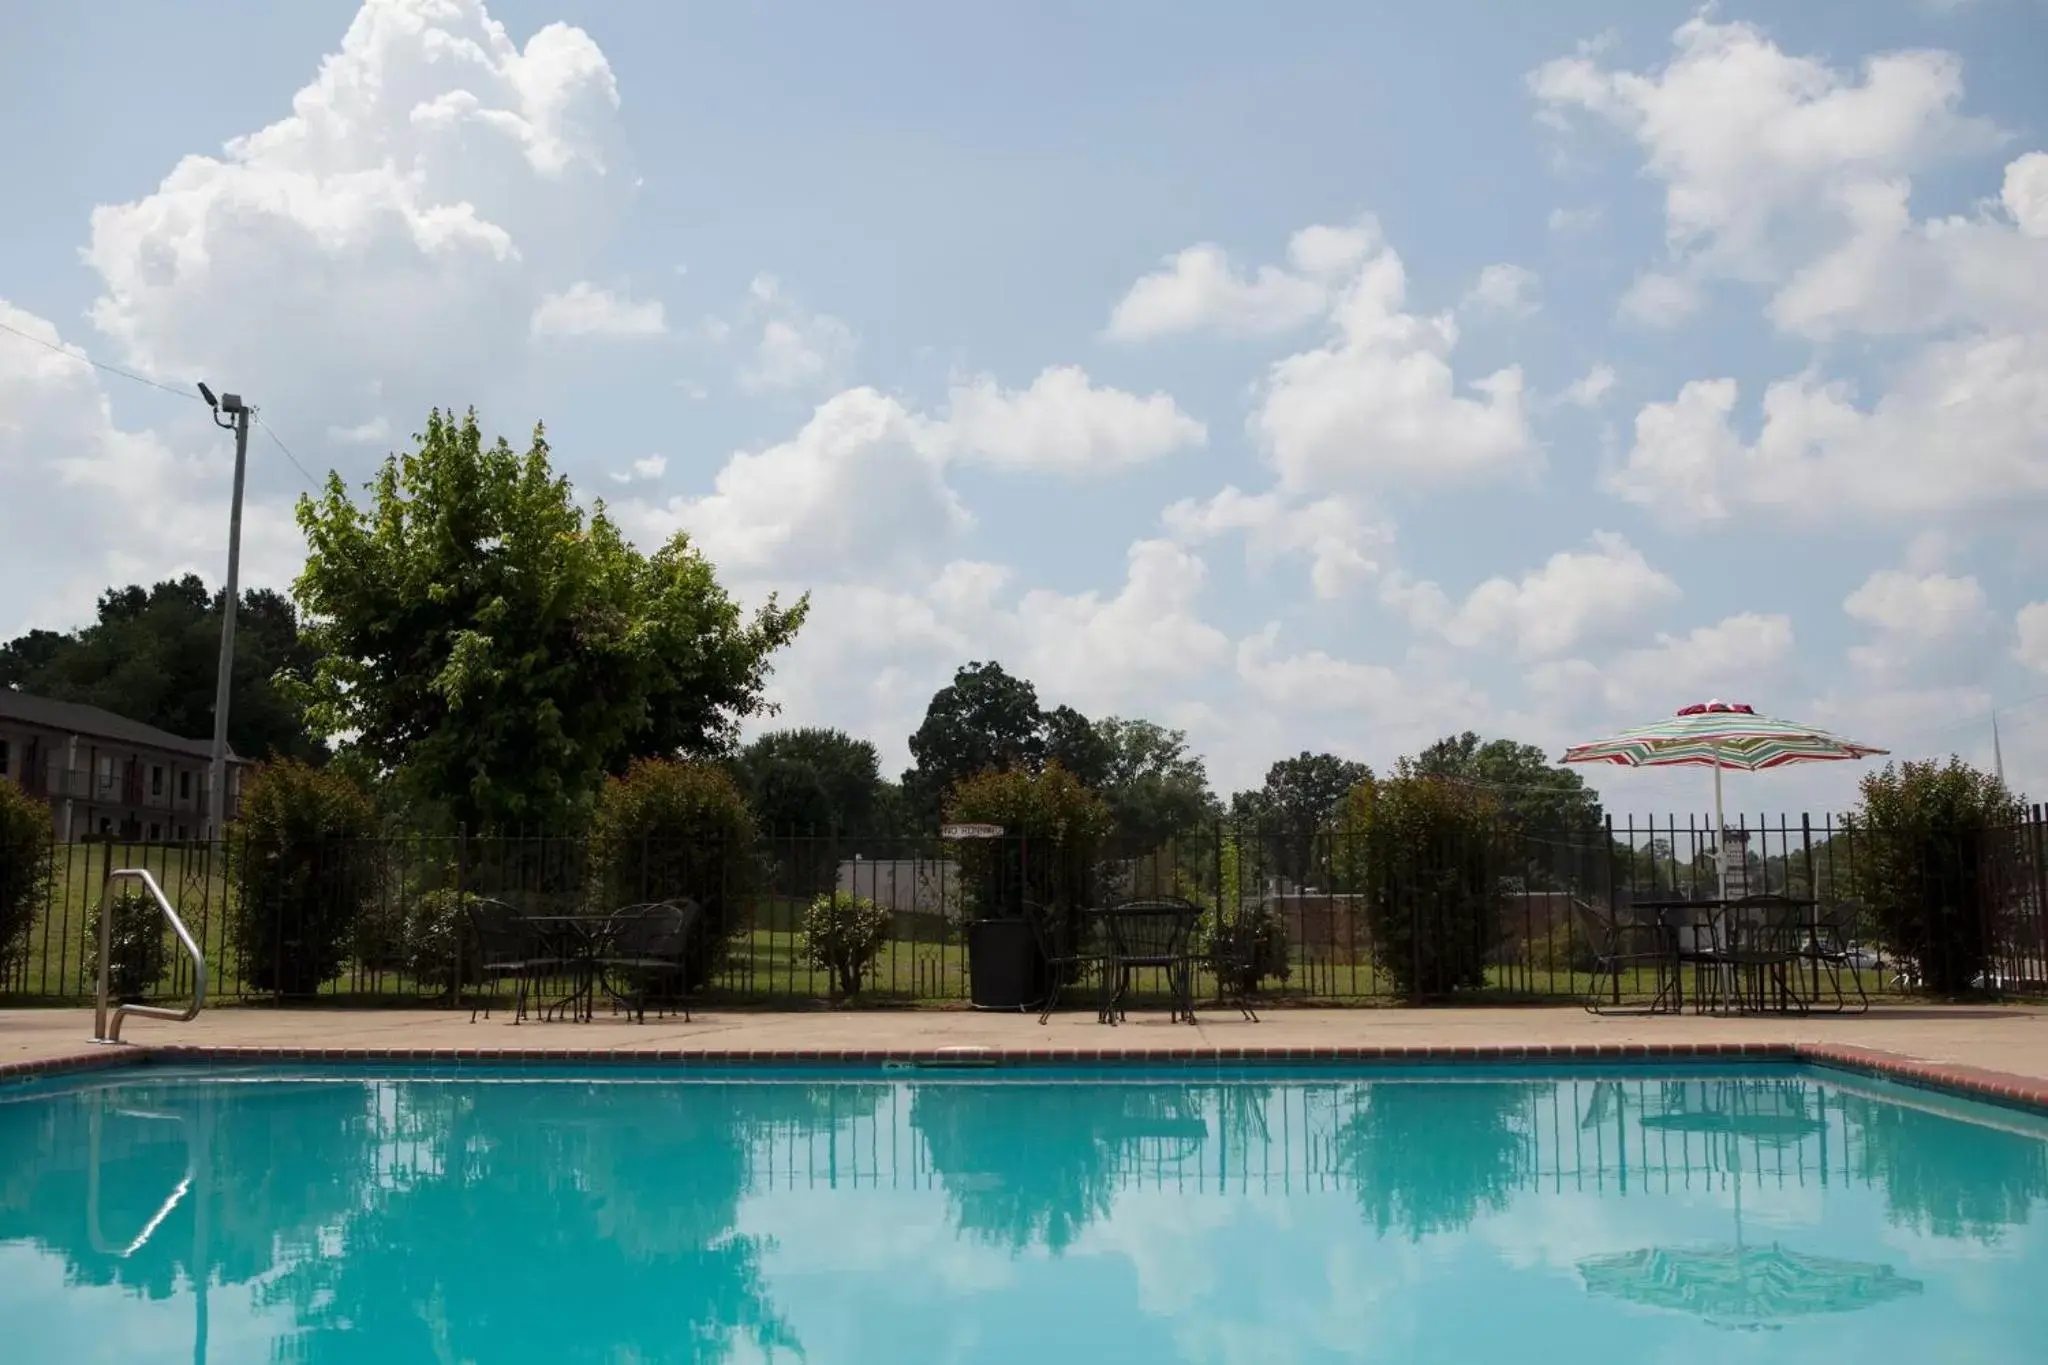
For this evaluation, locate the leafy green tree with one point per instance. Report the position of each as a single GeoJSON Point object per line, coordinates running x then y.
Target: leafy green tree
{"type": "Point", "coordinates": [1548, 807]}
{"type": "Point", "coordinates": [811, 781]}
{"type": "Point", "coordinates": [1156, 789]}
{"type": "Point", "coordinates": [1927, 837]}
{"type": "Point", "coordinates": [1079, 745]}
{"type": "Point", "coordinates": [25, 838]}
{"type": "Point", "coordinates": [496, 650]}
{"type": "Point", "coordinates": [1300, 798]}
{"type": "Point", "coordinates": [153, 655]}
{"type": "Point", "coordinates": [985, 720]}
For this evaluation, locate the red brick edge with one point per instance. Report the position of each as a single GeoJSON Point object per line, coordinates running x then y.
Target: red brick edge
{"type": "Point", "coordinates": [99, 1059]}
{"type": "Point", "coordinates": [1975, 1082]}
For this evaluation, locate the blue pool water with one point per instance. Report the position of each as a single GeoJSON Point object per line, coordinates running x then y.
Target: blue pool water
{"type": "Point", "coordinates": [893, 1218]}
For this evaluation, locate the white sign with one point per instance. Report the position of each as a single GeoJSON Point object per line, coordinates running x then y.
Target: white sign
{"type": "Point", "coordinates": [970, 831]}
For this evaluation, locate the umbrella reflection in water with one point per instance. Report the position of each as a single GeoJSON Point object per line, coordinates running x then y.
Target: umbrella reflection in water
{"type": "Point", "coordinates": [1741, 1286]}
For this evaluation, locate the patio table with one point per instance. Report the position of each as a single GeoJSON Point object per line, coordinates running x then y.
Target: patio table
{"type": "Point", "coordinates": [1744, 946]}
{"type": "Point", "coordinates": [580, 941]}
{"type": "Point", "coordinates": [1148, 933]}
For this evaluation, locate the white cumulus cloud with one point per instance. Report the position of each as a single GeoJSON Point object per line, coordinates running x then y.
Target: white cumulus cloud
{"type": "Point", "coordinates": [1590, 390]}
{"type": "Point", "coordinates": [2032, 627]}
{"type": "Point", "coordinates": [1343, 544]}
{"type": "Point", "coordinates": [1756, 147]}
{"type": "Point", "coordinates": [400, 225]}
{"type": "Point", "coordinates": [791, 347]}
{"type": "Point", "coordinates": [1198, 288]}
{"type": "Point", "coordinates": [584, 310]}
{"type": "Point", "coordinates": [1064, 423]}
{"type": "Point", "coordinates": [1504, 288]}
{"type": "Point", "coordinates": [1924, 626]}
{"type": "Point", "coordinates": [1576, 597]}
{"type": "Point", "coordinates": [1378, 402]}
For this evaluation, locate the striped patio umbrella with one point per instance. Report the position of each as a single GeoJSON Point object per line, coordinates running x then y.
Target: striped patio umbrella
{"type": "Point", "coordinates": [1719, 735]}
{"type": "Point", "coordinates": [1743, 1287]}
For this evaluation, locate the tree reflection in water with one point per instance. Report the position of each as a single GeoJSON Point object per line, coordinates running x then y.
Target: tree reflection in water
{"type": "Point", "coordinates": [1430, 1157]}
{"type": "Point", "coordinates": [1958, 1180]}
{"type": "Point", "coordinates": [1034, 1163]}
{"type": "Point", "coordinates": [418, 1220]}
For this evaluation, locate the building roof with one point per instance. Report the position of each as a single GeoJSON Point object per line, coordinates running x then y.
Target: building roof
{"type": "Point", "coordinates": [79, 719]}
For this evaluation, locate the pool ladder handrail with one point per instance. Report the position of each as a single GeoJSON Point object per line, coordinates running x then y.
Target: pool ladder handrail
{"type": "Point", "coordinates": [105, 1030]}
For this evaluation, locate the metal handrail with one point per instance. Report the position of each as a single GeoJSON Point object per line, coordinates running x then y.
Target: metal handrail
{"type": "Point", "coordinates": [101, 1033]}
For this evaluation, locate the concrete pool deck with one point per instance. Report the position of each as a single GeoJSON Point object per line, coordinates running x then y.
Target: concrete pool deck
{"type": "Point", "coordinates": [1999, 1051]}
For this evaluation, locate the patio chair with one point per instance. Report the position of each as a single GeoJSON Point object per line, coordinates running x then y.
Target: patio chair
{"type": "Point", "coordinates": [1831, 947]}
{"type": "Point", "coordinates": [1766, 938]}
{"type": "Point", "coordinates": [1154, 932]}
{"type": "Point", "coordinates": [1625, 942]}
{"type": "Point", "coordinates": [649, 953]}
{"type": "Point", "coordinates": [506, 947]}
{"type": "Point", "coordinates": [1067, 948]}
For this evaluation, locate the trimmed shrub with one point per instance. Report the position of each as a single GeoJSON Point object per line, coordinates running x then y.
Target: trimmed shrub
{"type": "Point", "coordinates": [1247, 949]}
{"type": "Point", "coordinates": [677, 830]}
{"type": "Point", "coordinates": [436, 936]}
{"type": "Point", "coordinates": [843, 935]}
{"type": "Point", "coordinates": [1924, 836]}
{"type": "Point", "coordinates": [25, 837]}
{"type": "Point", "coordinates": [137, 950]}
{"type": "Point", "coordinates": [1053, 828]}
{"type": "Point", "coordinates": [304, 862]}
{"type": "Point", "coordinates": [1426, 857]}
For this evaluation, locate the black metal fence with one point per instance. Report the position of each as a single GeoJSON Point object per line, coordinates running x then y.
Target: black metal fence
{"type": "Point", "coordinates": [1501, 916]}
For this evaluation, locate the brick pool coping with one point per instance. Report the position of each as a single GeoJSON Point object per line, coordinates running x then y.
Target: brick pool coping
{"type": "Point", "coordinates": [2000, 1087]}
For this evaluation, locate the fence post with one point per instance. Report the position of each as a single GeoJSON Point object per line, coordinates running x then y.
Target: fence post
{"type": "Point", "coordinates": [461, 902]}
{"type": "Point", "coordinates": [1813, 893]}
{"type": "Point", "coordinates": [1614, 892]}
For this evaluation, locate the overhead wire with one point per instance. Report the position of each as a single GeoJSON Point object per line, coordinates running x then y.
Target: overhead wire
{"type": "Point", "coordinates": [285, 450]}
{"type": "Point", "coordinates": [75, 353]}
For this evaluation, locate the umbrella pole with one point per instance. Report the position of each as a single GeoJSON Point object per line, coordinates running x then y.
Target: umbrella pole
{"type": "Point", "coordinates": [1720, 836]}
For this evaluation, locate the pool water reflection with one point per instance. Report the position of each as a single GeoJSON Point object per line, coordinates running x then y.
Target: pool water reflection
{"type": "Point", "coordinates": [1077, 1217]}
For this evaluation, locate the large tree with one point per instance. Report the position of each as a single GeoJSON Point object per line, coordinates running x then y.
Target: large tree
{"type": "Point", "coordinates": [811, 781]}
{"type": "Point", "coordinates": [153, 655]}
{"type": "Point", "coordinates": [985, 720]}
{"type": "Point", "coordinates": [495, 650]}
{"type": "Point", "coordinates": [1156, 789]}
{"type": "Point", "coordinates": [1550, 809]}
{"type": "Point", "coordinates": [1297, 802]}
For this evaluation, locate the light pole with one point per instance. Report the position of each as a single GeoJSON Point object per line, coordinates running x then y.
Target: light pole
{"type": "Point", "coordinates": [217, 797]}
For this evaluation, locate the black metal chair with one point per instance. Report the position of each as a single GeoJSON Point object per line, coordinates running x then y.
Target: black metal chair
{"type": "Point", "coordinates": [506, 947]}
{"type": "Point", "coordinates": [1625, 942]}
{"type": "Point", "coordinates": [1152, 933]}
{"type": "Point", "coordinates": [1833, 946]}
{"type": "Point", "coordinates": [1764, 939]}
{"type": "Point", "coordinates": [648, 957]}
{"type": "Point", "coordinates": [1068, 949]}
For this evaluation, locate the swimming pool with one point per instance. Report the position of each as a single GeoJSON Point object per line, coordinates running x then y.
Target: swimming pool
{"type": "Point", "coordinates": [1674, 1214]}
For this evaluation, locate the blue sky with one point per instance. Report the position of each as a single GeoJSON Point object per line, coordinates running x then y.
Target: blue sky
{"type": "Point", "coordinates": [1307, 376]}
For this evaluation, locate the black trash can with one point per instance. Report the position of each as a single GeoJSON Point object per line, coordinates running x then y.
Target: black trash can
{"type": "Point", "coordinates": [1005, 970]}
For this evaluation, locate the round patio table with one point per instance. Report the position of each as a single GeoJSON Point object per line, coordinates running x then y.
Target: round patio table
{"type": "Point", "coordinates": [581, 942]}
